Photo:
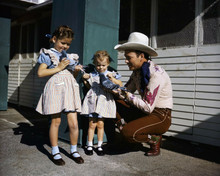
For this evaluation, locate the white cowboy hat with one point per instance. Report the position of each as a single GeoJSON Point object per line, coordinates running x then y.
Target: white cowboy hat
{"type": "Point", "coordinates": [137, 41]}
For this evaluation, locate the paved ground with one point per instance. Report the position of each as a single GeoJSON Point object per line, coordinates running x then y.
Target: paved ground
{"type": "Point", "coordinates": [24, 151]}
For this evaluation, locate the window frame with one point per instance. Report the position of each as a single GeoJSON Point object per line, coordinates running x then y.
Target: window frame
{"type": "Point", "coordinates": [198, 23]}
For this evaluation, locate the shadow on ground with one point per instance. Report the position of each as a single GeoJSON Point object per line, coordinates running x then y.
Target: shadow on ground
{"type": "Point", "coordinates": [37, 135]}
{"type": "Point", "coordinates": [197, 150]}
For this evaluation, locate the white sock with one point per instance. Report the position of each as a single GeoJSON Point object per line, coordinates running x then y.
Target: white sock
{"type": "Point", "coordinates": [55, 150]}
{"type": "Point", "coordinates": [73, 148]}
{"type": "Point", "coordinates": [90, 145]}
{"type": "Point", "coordinates": [100, 145]}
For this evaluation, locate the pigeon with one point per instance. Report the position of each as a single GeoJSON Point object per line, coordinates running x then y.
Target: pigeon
{"type": "Point", "coordinates": [73, 63]}
{"type": "Point", "coordinates": [108, 84]}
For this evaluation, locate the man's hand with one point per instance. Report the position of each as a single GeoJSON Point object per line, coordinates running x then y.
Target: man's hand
{"type": "Point", "coordinates": [110, 76]}
{"type": "Point", "coordinates": [121, 94]}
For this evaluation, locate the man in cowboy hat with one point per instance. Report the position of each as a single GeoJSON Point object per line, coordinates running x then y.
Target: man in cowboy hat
{"type": "Point", "coordinates": [144, 118]}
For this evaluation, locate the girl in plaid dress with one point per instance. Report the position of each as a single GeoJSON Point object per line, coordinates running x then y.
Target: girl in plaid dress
{"type": "Point", "coordinates": [61, 92]}
{"type": "Point", "coordinates": [98, 104]}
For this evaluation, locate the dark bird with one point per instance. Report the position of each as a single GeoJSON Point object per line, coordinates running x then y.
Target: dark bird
{"type": "Point", "coordinates": [107, 83]}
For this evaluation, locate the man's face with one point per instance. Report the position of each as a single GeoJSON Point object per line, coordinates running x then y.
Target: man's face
{"type": "Point", "coordinates": [133, 61]}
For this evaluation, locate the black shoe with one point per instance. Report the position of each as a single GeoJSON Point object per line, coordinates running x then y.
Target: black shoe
{"type": "Point", "coordinates": [100, 152]}
{"type": "Point", "coordinates": [58, 162]}
{"type": "Point", "coordinates": [78, 160]}
{"type": "Point", "coordinates": [88, 152]}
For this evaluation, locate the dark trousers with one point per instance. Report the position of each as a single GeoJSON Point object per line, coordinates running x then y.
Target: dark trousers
{"type": "Point", "coordinates": [139, 124]}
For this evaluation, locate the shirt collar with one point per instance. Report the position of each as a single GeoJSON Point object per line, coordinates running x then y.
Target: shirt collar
{"type": "Point", "coordinates": [54, 50]}
{"type": "Point", "coordinates": [95, 72]}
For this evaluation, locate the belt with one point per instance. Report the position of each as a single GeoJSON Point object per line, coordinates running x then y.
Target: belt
{"type": "Point", "coordinates": [164, 109]}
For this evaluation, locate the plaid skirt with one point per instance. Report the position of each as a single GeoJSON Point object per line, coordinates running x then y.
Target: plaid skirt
{"type": "Point", "coordinates": [61, 93]}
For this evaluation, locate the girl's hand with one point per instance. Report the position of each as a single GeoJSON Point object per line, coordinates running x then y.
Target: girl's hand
{"type": "Point", "coordinates": [86, 76]}
{"type": "Point", "coordinates": [63, 64]}
{"type": "Point", "coordinates": [78, 68]}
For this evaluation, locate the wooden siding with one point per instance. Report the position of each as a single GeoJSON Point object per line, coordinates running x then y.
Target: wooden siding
{"type": "Point", "coordinates": [24, 87]}
{"type": "Point", "coordinates": [13, 80]}
{"type": "Point", "coordinates": [195, 76]}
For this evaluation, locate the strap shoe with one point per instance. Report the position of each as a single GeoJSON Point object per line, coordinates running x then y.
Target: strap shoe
{"type": "Point", "coordinates": [58, 162]}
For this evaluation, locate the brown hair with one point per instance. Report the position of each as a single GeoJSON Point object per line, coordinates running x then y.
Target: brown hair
{"type": "Point", "coordinates": [101, 55]}
{"type": "Point", "coordinates": [63, 31]}
{"type": "Point", "coordinates": [145, 54]}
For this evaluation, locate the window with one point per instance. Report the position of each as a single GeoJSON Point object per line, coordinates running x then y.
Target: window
{"type": "Point", "coordinates": [125, 18]}
{"type": "Point", "coordinates": [211, 21]}
{"type": "Point", "coordinates": [15, 41]}
{"type": "Point", "coordinates": [142, 16]}
{"type": "Point", "coordinates": [27, 38]}
{"type": "Point", "coordinates": [134, 17]}
{"type": "Point", "coordinates": [30, 38]}
{"type": "Point", "coordinates": [43, 29]}
{"type": "Point", "coordinates": [24, 41]}
{"type": "Point", "coordinates": [175, 23]}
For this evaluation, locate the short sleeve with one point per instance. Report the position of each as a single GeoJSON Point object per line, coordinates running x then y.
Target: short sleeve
{"type": "Point", "coordinates": [43, 58]}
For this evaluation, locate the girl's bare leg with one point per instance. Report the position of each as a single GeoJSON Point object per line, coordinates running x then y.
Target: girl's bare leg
{"type": "Point", "coordinates": [74, 133]}
{"type": "Point", "coordinates": [73, 127]}
{"type": "Point", "coordinates": [100, 134]}
{"type": "Point", "coordinates": [53, 134]}
{"type": "Point", "coordinates": [100, 129]}
{"type": "Point", "coordinates": [91, 130]}
{"type": "Point", "coordinates": [54, 128]}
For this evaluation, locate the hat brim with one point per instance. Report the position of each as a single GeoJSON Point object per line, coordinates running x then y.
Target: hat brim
{"type": "Point", "coordinates": [136, 46]}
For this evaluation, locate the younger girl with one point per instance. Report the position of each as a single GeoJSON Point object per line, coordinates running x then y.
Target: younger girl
{"type": "Point", "coordinates": [98, 104]}
{"type": "Point", "coordinates": [61, 92]}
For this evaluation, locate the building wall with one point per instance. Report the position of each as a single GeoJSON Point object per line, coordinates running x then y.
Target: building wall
{"type": "Point", "coordinates": [24, 85]}
{"type": "Point", "coordinates": [4, 60]}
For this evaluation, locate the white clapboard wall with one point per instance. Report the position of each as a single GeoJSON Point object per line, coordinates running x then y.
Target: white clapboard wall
{"type": "Point", "coordinates": [24, 87]}
{"type": "Point", "coordinates": [13, 79]}
{"type": "Point", "coordinates": [195, 76]}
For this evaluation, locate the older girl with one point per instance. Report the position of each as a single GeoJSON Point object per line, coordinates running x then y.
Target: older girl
{"type": "Point", "coordinates": [61, 92]}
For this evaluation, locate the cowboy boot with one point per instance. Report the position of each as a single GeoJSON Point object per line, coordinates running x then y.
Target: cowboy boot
{"type": "Point", "coordinates": [154, 143]}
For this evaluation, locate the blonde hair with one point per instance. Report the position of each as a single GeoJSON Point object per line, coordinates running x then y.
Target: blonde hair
{"type": "Point", "coordinates": [101, 55]}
